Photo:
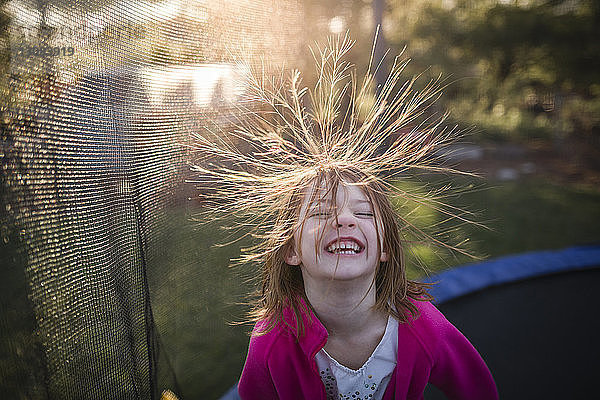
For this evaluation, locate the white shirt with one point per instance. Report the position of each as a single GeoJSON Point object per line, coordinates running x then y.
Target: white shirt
{"type": "Point", "coordinates": [370, 380]}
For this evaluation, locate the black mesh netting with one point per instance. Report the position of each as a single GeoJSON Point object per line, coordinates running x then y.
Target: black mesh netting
{"type": "Point", "coordinates": [108, 289]}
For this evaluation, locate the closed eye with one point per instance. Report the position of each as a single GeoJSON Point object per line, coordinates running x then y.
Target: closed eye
{"type": "Point", "coordinates": [320, 215]}
{"type": "Point", "coordinates": [364, 214]}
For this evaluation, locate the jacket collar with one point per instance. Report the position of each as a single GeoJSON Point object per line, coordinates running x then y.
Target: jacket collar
{"type": "Point", "coordinates": [314, 336]}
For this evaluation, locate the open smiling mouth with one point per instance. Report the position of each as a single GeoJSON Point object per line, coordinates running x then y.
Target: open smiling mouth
{"type": "Point", "coordinates": [345, 246]}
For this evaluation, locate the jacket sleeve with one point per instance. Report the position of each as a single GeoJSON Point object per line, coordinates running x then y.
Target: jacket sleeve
{"type": "Point", "coordinates": [255, 381]}
{"type": "Point", "coordinates": [458, 369]}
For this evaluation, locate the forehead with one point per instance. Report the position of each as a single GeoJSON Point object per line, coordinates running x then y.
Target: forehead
{"type": "Point", "coordinates": [316, 193]}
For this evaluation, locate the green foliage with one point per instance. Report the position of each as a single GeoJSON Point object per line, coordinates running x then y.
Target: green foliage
{"type": "Point", "coordinates": [516, 70]}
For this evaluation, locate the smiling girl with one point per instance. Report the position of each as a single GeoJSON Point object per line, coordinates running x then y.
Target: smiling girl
{"type": "Point", "coordinates": [335, 315]}
{"type": "Point", "coordinates": [343, 321]}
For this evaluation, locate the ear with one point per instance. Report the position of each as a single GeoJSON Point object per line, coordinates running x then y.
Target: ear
{"type": "Point", "coordinates": [383, 256]}
{"type": "Point", "coordinates": [291, 257]}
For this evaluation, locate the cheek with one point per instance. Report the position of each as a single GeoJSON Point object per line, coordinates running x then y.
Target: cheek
{"type": "Point", "coordinates": [380, 232]}
{"type": "Point", "coordinates": [313, 230]}
{"type": "Point", "coordinates": [305, 240]}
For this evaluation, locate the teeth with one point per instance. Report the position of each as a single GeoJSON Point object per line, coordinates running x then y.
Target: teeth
{"type": "Point", "coordinates": [344, 247]}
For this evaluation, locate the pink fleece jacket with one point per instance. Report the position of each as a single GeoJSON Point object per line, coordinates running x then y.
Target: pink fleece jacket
{"type": "Point", "coordinates": [430, 349]}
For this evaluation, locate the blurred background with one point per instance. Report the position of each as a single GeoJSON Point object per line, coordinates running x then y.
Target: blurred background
{"type": "Point", "coordinates": [111, 289]}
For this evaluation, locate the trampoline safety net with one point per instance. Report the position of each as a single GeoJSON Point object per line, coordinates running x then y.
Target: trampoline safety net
{"type": "Point", "coordinates": [107, 290]}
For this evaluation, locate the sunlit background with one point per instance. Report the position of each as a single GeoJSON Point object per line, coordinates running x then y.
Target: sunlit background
{"type": "Point", "coordinates": [109, 287]}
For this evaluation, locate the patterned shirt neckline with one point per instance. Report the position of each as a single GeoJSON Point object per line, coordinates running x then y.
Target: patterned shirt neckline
{"type": "Point", "coordinates": [370, 380]}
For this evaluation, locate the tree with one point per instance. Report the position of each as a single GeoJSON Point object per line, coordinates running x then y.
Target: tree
{"type": "Point", "coordinates": [519, 70]}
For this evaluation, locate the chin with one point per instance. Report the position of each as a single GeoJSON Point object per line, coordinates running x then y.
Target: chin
{"type": "Point", "coordinates": [349, 274]}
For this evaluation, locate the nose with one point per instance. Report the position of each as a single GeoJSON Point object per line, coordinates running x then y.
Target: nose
{"type": "Point", "coordinates": [345, 218]}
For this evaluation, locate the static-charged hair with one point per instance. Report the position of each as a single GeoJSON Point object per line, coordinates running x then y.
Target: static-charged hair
{"type": "Point", "coordinates": [350, 135]}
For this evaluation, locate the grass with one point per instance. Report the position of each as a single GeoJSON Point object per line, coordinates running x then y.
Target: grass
{"type": "Point", "coordinates": [194, 294]}
{"type": "Point", "coordinates": [535, 215]}
{"type": "Point", "coordinates": [519, 216]}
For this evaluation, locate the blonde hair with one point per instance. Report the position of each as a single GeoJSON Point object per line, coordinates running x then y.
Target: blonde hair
{"type": "Point", "coordinates": [260, 170]}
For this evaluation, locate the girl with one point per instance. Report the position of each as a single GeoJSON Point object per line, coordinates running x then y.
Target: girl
{"type": "Point", "coordinates": [344, 322]}
{"type": "Point", "coordinates": [336, 317]}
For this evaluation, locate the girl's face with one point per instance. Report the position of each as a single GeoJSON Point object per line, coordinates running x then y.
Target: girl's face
{"type": "Point", "coordinates": [342, 249]}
